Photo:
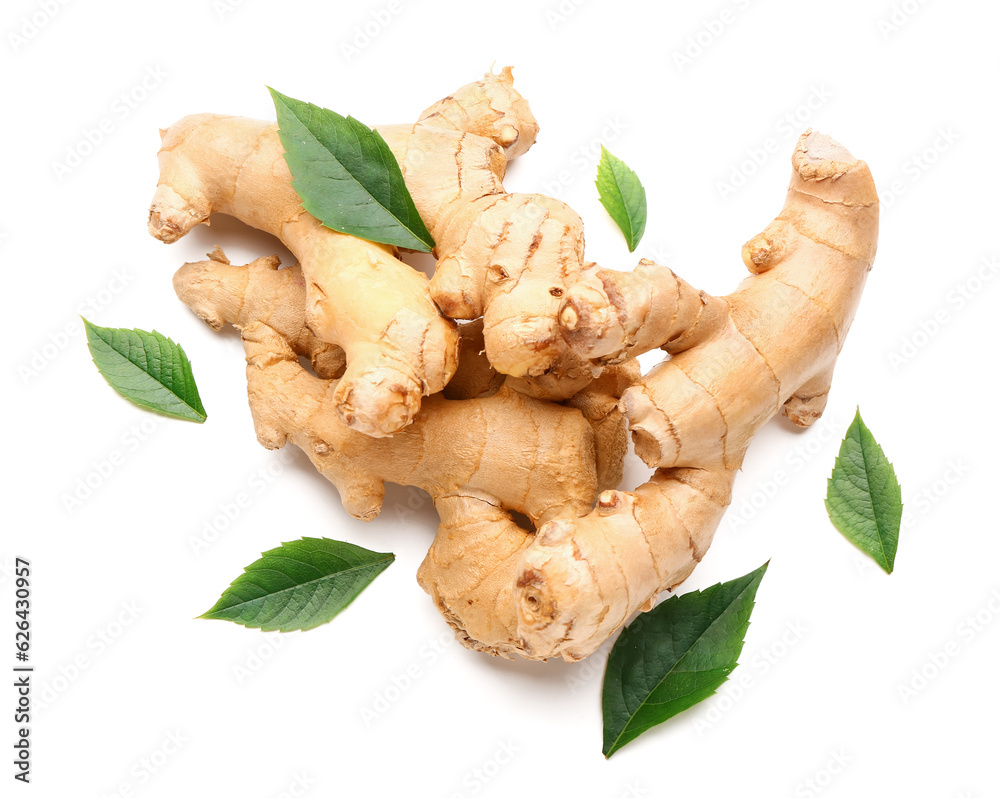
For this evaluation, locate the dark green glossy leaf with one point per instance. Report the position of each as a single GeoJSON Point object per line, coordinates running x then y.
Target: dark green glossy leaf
{"type": "Point", "coordinates": [674, 656]}
{"type": "Point", "coordinates": [347, 177]}
{"type": "Point", "coordinates": [299, 585]}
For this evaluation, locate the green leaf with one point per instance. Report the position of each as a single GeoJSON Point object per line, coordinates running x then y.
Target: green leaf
{"type": "Point", "coordinates": [347, 177]}
{"type": "Point", "coordinates": [622, 196]}
{"type": "Point", "coordinates": [299, 585]}
{"type": "Point", "coordinates": [863, 498]}
{"type": "Point", "coordinates": [148, 369]}
{"type": "Point", "coordinates": [674, 656]}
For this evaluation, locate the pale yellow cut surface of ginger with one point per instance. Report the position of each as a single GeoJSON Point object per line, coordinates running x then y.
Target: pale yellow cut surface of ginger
{"type": "Point", "coordinates": [767, 348]}
{"type": "Point", "coordinates": [359, 296]}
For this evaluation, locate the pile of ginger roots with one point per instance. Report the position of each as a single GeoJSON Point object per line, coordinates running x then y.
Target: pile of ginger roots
{"type": "Point", "coordinates": [507, 383]}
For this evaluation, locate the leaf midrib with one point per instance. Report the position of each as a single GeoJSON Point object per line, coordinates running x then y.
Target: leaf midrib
{"type": "Point", "coordinates": [871, 497]}
{"type": "Point", "coordinates": [301, 584]}
{"type": "Point", "coordinates": [621, 198]}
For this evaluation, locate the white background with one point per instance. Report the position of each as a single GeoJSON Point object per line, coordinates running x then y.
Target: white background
{"type": "Point", "coordinates": [828, 671]}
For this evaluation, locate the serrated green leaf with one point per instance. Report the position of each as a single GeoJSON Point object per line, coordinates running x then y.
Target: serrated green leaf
{"type": "Point", "coordinates": [674, 656]}
{"type": "Point", "coordinates": [148, 369]}
{"type": "Point", "coordinates": [622, 196]}
{"type": "Point", "coordinates": [299, 585]}
{"type": "Point", "coordinates": [863, 497]}
{"type": "Point", "coordinates": [347, 177]}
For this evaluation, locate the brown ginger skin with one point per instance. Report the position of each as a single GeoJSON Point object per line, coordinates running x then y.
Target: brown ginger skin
{"type": "Point", "coordinates": [598, 402]}
{"type": "Point", "coordinates": [735, 362]}
{"type": "Point", "coordinates": [359, 296]}
{"type": "Point", "coordinates": [582, 579]}
{"type": "Point", "coordinates": [769, 347]}
{"type": "Point", "coordinates": [220, 293]}
{"type": "Point", "coordinates": [475, 377]}
{"type": "Point", "coordinates": [608, 315]}
{"type": "Point", "coordinates": [597, 399]}
{"type": "Point", "coordinates": [508, 258]}
{"type": "Point", "coordinates": [500, 452]}
{"type": "Point", "coordinates": [478, 459]}
{"type": "Point", "coordinates": [775, 349]}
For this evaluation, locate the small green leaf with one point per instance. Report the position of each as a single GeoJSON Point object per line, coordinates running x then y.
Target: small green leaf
{"type": "Point", "coordinates": [347, 177]}
{"type": "Point", "coordinates": [299, 585]}
{"type": "Point", "coordinates": [622, 196]}
{"type": "Point", "coordinates": [674, 656]}
{"type": "Point", "coordinates": [148, 369]}
{"type": "Point", "coordinates": [863, 498]}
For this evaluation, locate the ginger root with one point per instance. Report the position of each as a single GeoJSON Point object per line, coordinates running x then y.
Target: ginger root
{"type": "Point", "coordinates": [359, 296]}
{"type": "Point", "coordinates": [497, 450]}
{"type": "Point", "coordinates": [766, 348]}
{"type": "Point", "coordinates": [477, 458]}
{"type": "Point", "coordinates": [507, 258]}
{"type": "Point", "coordinates": [545, 378]}
{"type": "Point", "coordinates": [220, 293]}
{"type": "Point", "coordinates": [582, 579]}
